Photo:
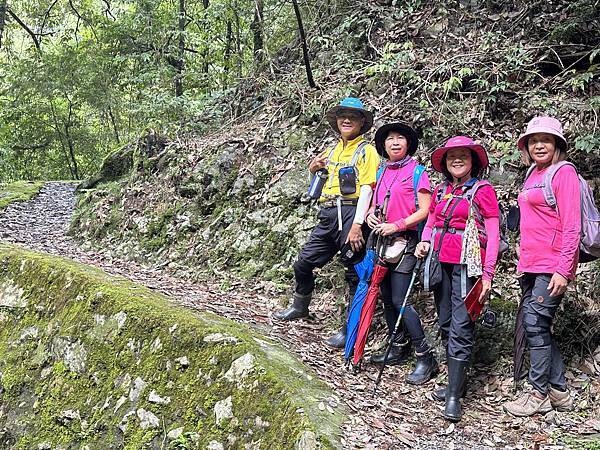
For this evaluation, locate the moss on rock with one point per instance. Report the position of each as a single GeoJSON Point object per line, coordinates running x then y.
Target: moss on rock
{"type": "Point", "coordinates": [19, 191]}
{"type": "Point", "coordinates": [89, 359]}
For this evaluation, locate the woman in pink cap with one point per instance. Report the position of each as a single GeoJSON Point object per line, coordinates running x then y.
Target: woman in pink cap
{"type": "Point", "coordinates": [549, 252]}
{"type": "Point", "coordinates": [406, 186]}
{"type": "Point", "coordinates": [462, 195]}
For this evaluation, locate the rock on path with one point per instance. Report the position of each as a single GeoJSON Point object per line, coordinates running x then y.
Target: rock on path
{"type": "Point", "coordinates": [401, 416]}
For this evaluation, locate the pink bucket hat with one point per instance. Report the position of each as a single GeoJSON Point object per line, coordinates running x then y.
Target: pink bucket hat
{"type": "Point", "coordinates": [543, 124]}
{"type": "Point", "coordinates": [458, 142]}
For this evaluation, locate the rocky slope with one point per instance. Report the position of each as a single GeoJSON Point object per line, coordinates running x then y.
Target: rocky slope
{"type": "Point", "coordinates": [92, 361]}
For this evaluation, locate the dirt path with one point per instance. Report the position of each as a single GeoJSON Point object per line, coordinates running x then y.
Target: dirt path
{"type": "Point", "coordinates": [400, 416]}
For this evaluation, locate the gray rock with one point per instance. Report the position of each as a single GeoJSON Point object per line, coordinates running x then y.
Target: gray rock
{"type": "Point", "coordinates": [108, 328]}
{"type": "Point", "coordinates": [147, 419]}
{"type": "Point", "coordinates": [307, 441]}
{"type": "Point", "coordinates": [214, 445]}
{"type": "Point", "coordinates": [216, 338]}
{"type": "Point", "coordinates": [223, 410]}
{"type": "Point", "coordinates": [290, 187]}
{"type": "Point", "coordinates": [120, 403]}
{"type": "Point", "coordinates": [69, 415]}
{"type": "Point", "coordinates": [240, 368]}
{"type": "Point", "coordinates": [73, 354]}
{"type": "Point", "coordinates": [175, 433]}
{"type": "Point", "coordinates": [11, 295]}
{"type": "Point", "coordinates": [155, 398]}
{"type": "Point", "coordinates": [29, 333]}
{"type": "Point", "coordinates": [183, 361]}
{"type": "Point", "coordinates": [136, 390]}
{"type": "Point", "coordinates": [156, 345]}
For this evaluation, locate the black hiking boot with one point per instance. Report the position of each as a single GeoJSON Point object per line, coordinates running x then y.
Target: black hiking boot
{"type": "Point", "coordinates": [338, 340]}
{"type": "Point", "coordinates": [425, 369]}
{"type": "Point", "coordinates": [298, 309]}
{"type": "Point", "coordinates": [399, 354]}
{"type": "Point", "coordinates": [457, 373]}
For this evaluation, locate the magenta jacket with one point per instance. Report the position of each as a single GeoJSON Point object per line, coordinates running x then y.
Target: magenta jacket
{"type": "Point", "coordinates": [486, 201]}
{"type": "Point", "coordinates": [549, 240]}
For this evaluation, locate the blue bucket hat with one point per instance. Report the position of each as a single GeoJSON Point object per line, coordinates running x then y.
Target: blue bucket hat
{"type": "Point", "coordinates": [350, 104]}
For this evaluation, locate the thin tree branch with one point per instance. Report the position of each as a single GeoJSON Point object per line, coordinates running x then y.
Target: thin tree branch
{"type": "Point", "coordinates": [27, 29]}
{"type": "Point", "coordinates": [79, 16]}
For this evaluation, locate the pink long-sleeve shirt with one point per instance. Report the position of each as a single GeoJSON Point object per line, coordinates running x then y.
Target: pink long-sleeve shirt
{"type": "Point", "coordinates": [485, 199]}
{"type": "Point", "coordinates": [399, 180]}
{"type": "Point", "coordinates": [549, 241]}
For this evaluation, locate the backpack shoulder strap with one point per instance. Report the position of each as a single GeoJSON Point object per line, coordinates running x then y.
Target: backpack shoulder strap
{"type": "Point", "coordinates": [360, 151]}
{"type": "Point", "coordinates": [548, 177]}
{"type": "Point", "coordinates": [416, 178]}
{"type": "Point", "coordinates": [441, 190]}
{"type": "Point", "coordinates": [380, 171]}
{"type": "Point", "coordinates": [470, 193]}
{"type": "Point", "coordinates": [529, 170]}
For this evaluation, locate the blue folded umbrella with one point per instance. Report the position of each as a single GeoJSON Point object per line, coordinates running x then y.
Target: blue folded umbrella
{"type": "Point", "coordinates": [364, 269]}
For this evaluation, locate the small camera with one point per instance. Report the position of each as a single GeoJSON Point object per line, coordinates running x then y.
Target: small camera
{"type": "Point", "coordinates": [488, 319]}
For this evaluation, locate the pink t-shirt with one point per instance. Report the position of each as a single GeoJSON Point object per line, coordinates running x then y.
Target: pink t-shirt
{"type": "Point", "coordinates": [402, 195]}
{"type": "Point", "coordinates": [549, 242]}
{"type": "Point", "coordinates": [486, 201]}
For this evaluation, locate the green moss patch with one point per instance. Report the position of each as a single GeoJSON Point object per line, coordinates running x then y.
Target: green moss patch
{"type": "Point", "coordinates": [19, 191]}
{"type": "Point", "coordinates": [89, 359]}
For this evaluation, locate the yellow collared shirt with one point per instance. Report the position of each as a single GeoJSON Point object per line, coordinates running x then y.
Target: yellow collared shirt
{"type": "Point", "coordinates": [366, 167]}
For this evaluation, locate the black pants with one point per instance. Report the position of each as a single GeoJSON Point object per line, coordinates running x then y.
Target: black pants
{"type": "Point", "coordinates": [546, 364]}
{"type": "Point", "coordinates": [323, 244]}
{"type": "Point", "coordinates": [393, 289]}
{"type": "Point", "coordinates": [455, 324]}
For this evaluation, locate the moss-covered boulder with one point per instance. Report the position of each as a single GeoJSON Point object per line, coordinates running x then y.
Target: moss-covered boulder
{"type": "Point", "coordinates": [18, 191]}
{"type": "Point", "coordinates": [92, 361]}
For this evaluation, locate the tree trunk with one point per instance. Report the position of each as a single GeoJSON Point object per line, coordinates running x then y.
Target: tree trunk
{"type": "Point", "coordinates": [181, 50]}
{"type": "Point", "coordinates": [227, 52]}
{"type": "Point", "coordinates": [205, 65]}
{"type": "Point", "coordinates": [238, 40]}
{"type": "Point", "coordinates": [2, 19]}
{"type": "Point", "coordinates": [309, 75]}
{"type": "Point", "coordinates": [114, 124]}
{"type": "Point", "coordinates": [257, 31]}
{"type": "Point", "coordinates": [73, 164]}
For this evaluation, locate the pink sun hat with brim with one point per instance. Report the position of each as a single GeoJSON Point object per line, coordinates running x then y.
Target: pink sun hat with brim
{"type": "Point", "coordinates": [458, 142]}
{"type": "Point", "coordinates": [543, 124]}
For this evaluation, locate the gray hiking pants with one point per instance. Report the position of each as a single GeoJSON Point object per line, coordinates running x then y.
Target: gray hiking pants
{"type": "Point", "coordinates": [546, 364]}
{"type": "Point", "coordinates": [456, 327]}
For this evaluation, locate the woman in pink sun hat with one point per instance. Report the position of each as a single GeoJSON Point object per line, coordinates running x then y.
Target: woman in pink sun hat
{"type": "Point", "coordinates": [549, 252]}
{"type": "Point", "coordinates": [462, 233]}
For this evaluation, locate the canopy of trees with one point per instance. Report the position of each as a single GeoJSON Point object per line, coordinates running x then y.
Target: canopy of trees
{"type": "Point", "coordinates": [80, 77]}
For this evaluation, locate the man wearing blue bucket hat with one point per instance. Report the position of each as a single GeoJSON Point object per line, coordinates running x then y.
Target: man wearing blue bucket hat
{"type": "Point", "coordinates": [349, 171]}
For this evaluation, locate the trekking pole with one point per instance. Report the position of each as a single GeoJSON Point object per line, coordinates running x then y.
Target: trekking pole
{"type": "Point", "coordinates": [398, 322]}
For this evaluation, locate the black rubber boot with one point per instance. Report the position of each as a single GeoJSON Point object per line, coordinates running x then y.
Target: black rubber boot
{"type": "Point", "coordinates": [338, 340]}
{"type": "Point", "coordinates": [457, 373]}
{"type": "Point", "coordinates": [297, 310]}
{"type": "Point", "coordinates": [399, 354]}
{"type": "Point", "coordinates": [425, 369]}
{"type": "Point", "coordinates": [440, 394]}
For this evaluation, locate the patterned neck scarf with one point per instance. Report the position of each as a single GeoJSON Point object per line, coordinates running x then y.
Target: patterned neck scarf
{"type": "Point", "coordinates": [398, 164]}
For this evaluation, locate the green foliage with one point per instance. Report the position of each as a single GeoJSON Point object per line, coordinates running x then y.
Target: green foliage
{"type": "Point", "coordinates": [105, 71]}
